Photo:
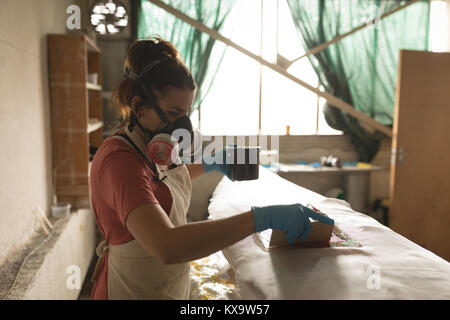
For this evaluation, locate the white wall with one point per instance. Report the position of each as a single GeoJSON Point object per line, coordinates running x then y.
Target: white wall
{"type": "Point", "coordinates": [25, 139]}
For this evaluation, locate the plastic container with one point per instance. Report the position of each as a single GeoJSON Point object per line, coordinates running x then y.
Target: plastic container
{"type": "Point", "coordinates": [268, 157]}
{"type": "Point", "coordinates": [93, 78]}
{"type": "Point", "coordinates": [61, 210]}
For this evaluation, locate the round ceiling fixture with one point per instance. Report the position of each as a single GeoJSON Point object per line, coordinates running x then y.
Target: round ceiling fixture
{"type": "Point", "coordinates": [109, 17]}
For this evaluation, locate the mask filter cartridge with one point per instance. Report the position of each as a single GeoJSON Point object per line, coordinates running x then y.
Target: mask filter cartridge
{"type": "Point", "coordinates": [163, 150]}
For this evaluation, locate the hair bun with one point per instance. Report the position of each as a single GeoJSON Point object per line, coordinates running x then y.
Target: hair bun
{"type": "Point", "coordinates": [157, 47]}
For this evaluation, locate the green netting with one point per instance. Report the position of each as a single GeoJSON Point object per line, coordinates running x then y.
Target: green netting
{"type": "Point", "coordinates": [361, 69]}
{"type": "Point", "coordinates": [201, 53]}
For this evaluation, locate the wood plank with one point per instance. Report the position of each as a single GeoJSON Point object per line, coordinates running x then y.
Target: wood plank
{"type": "Point", "coordinates": [95, 65]}
{"type": "Point", "coordinates": [96, 112]}
{"type": "Point", "coordinates": [75, 190]}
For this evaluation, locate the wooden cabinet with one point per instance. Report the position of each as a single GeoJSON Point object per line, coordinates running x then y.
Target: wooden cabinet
{"type": "Point", "coordinates": [76, 113]}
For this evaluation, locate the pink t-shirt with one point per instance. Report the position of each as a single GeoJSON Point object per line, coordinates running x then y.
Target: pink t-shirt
{"type": "Point", "coordinates": [121, 180]}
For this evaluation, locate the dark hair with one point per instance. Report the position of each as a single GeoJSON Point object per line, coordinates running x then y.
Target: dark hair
{"type": "Point", "coordinates": [170, 73]}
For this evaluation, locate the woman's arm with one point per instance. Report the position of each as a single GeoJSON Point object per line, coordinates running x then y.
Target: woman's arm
{"type": "Point", "coordinates": [152, 228]}
{"type": "Point", "coordinates": [195, 170]}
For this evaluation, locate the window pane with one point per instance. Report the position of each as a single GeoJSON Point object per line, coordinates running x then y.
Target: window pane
{"type": "Point", "coordinates": [286, 103]}
{"type": "Point", "coordinates": [289, 45]}
{"type": "Point", "coordinates": [439, 26]}
{"type": "Point", "coordinates": [269, 44]}
{"type": "Point", "coordinates": [324, 128]}
{"type": "Point", "coordinates": [303, 70]}
{"type": "Point", "coordinates": [232, 105]}
{"type": "Point", "coordinates": [194, 119]}
{"type": "Point", "coordinates": [247, 30]}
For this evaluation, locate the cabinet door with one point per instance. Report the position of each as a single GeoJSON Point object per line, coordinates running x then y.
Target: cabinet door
{"type": "Point", "coordinates": [420, 166]}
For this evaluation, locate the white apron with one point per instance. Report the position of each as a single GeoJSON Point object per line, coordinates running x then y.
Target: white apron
{"type": "Point", "coordinates": [135, 274]}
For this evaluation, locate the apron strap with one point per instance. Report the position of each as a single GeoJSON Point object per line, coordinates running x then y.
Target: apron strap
{"type": "Point", "coordinates": [153, 165]}
{"type": "Point", "coordinates": [101, 251]}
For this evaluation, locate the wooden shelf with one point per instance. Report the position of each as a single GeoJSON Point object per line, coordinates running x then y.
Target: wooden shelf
{"type": "Point", "coordinates": [283, 167]}
{"type": "Point", "coordinates": [77, 117]}
{"type": "Point", "coordinates": [92, 86]}
{"type": "Point", "coordinates": [72, 191]}
{"type": "Point", "coordinates": [92, 47]}
{"type": "Point", "coordinates": [93, 125]}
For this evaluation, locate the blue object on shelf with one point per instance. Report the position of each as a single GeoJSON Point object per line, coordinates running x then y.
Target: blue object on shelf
{"type": "Point", "coordinates": [302, 162]}
{"type": "Point", "coordinates": [274, 166]}
{"type": "Point", "coordinates": [315, 164]}
{"type": "Point", "coordinates": [350, 163]}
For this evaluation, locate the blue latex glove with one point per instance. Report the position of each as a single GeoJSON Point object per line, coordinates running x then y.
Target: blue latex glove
{"type": "Point", "coordinates": [217, 162]}
{"type": "Point", "coordinates": [293, 218]}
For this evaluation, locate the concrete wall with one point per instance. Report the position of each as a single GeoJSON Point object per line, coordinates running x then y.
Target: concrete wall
{"type": "Point", "coordinates": [114, 52]}
{"type": "Point", "coordinates": [57, 267]}
{"type": "Point", "coordinates": [379, 180]}
{"type": "Point", "coordinates": [25, 164]}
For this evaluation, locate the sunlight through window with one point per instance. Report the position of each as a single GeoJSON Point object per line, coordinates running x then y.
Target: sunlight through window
{"type": "Point", "coordinates": [232, 105]}
{"type": "Point", "coordinates": [439, 36]}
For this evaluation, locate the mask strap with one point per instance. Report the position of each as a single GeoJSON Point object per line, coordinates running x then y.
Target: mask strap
{"type": "Point", "coordinates": [154, 104]}
{"type": "Point", "coordinates": [155, 170]}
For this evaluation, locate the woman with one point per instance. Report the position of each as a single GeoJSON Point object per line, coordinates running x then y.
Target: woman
{"type": "Point", "coordinates": [141, 209]}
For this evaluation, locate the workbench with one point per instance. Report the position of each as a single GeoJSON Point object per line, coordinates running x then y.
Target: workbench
{"type": "Point", "coordinates": [355, 181]}
{"type": "Point", "coordinates": [370, 262]}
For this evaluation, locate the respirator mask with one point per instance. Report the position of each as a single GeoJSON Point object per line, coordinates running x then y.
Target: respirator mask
{"type": "Point", "coordinates": [170, 140]}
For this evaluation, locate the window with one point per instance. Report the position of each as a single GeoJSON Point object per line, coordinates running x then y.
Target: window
{"type": "Point", "coordinates": [232, 106]}
{"type": "Point", "coordinates": [439, 28]}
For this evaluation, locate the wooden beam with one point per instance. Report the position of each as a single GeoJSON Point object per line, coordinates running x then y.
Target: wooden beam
{"type": "Point", "coordinates": [336, 102]}
{"type": "Point", "coordinates": [325, 45]}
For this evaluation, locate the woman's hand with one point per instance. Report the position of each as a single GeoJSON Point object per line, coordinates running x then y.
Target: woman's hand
{"type": "Point", "coordinates": [293, 218]}
{"type": "Point", "coordinates": [152, 228]}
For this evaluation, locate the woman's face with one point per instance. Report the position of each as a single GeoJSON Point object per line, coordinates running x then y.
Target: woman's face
{"type": "Point", "coordinates": [175, 103]}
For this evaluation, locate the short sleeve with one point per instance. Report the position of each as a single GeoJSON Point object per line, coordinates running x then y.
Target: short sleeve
{"type": "Point", "coordinates": [126, 185]}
